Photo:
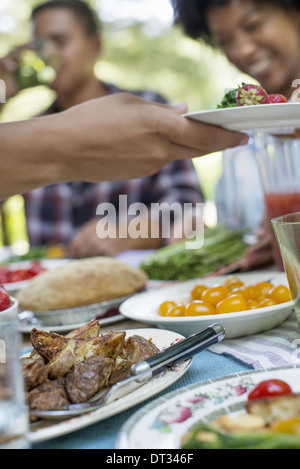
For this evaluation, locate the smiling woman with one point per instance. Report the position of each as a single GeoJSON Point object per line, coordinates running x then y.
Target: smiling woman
{"type": "Point", "coordinates": [261, 38]}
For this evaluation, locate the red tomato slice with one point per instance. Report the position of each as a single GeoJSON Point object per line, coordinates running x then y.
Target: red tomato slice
{"type": "Point", "coordinates": [5, 301]}
{"type": "Point", "coordinates": [18, 275]}
{"type": "Point", "coordinates": [268, 388]}
{"type": "Point", "coordinates": [8, 275]}
{"type": "Point", "coordinates": [36, 268]}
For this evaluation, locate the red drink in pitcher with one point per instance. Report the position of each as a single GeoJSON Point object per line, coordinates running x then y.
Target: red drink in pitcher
{"type": "Point", "coordinates": [281, 204]}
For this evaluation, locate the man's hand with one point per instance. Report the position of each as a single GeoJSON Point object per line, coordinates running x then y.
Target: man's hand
{"type": "Point", "coordinates": [8, 67]}
{"type": "Point", "coordinates": [112, 138]}
{"type": "Point", "coordinates": [123, 136]}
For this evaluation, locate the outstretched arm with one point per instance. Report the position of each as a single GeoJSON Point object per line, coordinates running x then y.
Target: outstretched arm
{"type": "Point", "coordinates": [111, 138]}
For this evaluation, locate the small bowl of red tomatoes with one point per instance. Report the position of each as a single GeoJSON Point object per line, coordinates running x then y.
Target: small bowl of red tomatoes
{"type": "Point", "coordinates": [16, 275]}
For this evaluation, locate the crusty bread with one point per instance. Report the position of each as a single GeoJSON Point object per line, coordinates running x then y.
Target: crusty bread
{"type": "Point", "coordinates": [79, 283]}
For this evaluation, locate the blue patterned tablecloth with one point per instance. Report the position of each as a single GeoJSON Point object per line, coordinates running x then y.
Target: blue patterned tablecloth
{"type": "Point", "coordinates": [277, 347]}
{"type": "Point", "coordinates": [103, 435]}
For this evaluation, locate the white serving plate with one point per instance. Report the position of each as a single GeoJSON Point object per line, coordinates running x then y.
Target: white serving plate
{"type": "Point", "coordinates": [144, 308]}
{"type": "Point", "coordinates": [46, 430]}
{"type": "Point", "coordinates": [162, 423]}
{"type": "Point", "coordinates": [26, 325]}
{"type": "Point", "coordinates": [281, 118]}
{"type": "Point", "coordinates": [76, 315]}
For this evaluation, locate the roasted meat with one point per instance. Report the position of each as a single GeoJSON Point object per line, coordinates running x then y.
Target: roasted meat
{"type": "Point", "coordinates": [49, 395]}
{"type": "Point", "coordinates": [63, 361]}
{"type": "Point", "coordinates": [35, 372]}
{"type": "Point", "coordinates": [137, 348]}
{"type": "Point", "coordinates": [88, 331]}
{"type": "Point", "coordinates": [47, 344]}
{"type": "Point", "coordinates": [107, 346]}
{"type": "Point", "coordinates": [88, 377]}
{"type": "Point", "coordinates": [121, 370]}
{"type": "Point", "coordinates": [73, 368]}
{"type": "Point", "coordinates": [134, 350]}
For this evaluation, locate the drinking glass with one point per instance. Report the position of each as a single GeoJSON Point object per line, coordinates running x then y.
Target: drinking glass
{"type": "Point", "coordinates": [13, 410]}
{"type": "Point", "coordinates": [287, 232]}
{"type": "Point", "coordinates": [278, 157]}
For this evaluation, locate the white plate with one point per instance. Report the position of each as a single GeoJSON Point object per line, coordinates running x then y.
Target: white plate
{"type": "Point", "coordinates": [162, 339]}
{"type": "Point", "coordinates": [269, 117]}
{"type": "Point", "coordinates": [162, 423]}
{"type": "Point", "coordinates": [68, 316]}
{"type": "Point", "coordinates": [144, 308]}
{"type": "Point", "coordinates": [49, 264]}
{"type": "Point", "coordinates": [26, 327]}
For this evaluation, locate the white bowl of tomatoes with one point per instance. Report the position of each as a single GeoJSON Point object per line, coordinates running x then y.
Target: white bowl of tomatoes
{"type": "Point", "coordinates": [235, 314]}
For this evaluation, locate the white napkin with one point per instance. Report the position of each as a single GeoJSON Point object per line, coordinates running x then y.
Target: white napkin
{"type": "Point", "coordinates": [277, 347]}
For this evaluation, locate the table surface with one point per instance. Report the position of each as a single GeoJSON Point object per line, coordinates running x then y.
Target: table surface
{"type": "Point", "coordinates": [103, 435]}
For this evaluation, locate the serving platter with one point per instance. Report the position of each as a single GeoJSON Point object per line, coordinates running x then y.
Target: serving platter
{"type": "Point", "coordinates": [45, 430]}
{"type": "Point", "coordinates": [29, 321]}
{"type": "Point", "coordinates": [282, 118]}
{"type": "Point", "coordinates": [69, 316]}
{"type": "Point", "coordinates": [14, 287]}
{"type": "Point", "coordinates": [162, 423]}
{"type": "Point", "coordinates": [144, 308]}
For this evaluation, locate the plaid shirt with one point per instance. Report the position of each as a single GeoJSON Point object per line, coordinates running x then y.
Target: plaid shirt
{"type": "Point", "coordinates": [55, 213]}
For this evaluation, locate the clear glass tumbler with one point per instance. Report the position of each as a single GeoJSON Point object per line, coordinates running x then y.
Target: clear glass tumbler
{"type": "Point", "coordinates": [287, 232]}
{"type": "Point", "coordinates": [278, 157]}
{"type": "Point", "coordinates": [14, 420]}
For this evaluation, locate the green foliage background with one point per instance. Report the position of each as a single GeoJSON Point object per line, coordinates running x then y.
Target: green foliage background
{"type": "Point", "coordinates": [135, 55]}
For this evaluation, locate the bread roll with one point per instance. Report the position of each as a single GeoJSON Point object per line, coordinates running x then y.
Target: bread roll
{"type": "Point", "coordinates": [80, 283]}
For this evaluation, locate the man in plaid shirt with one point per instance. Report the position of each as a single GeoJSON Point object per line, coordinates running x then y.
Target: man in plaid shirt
{"type": "Point", "coordinates": [66, 213]}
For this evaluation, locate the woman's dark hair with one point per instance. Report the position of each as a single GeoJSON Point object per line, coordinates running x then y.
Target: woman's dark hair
{"type": "Point", "coordinates": [84, 14]}
{"type": "Point", "coordinates": [191, 14]}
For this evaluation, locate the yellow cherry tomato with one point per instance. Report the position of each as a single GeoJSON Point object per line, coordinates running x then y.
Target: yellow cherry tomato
{"type": "Point", "coordinates": [165, 306]}
{"type": "Point", "coordinates": [176, 311]}
{"type": "Point", "coordinates": [197, 292]}
{"type": "Point", "coordinates": [289, 425]}
{"type": "Point", "coordinates": [263, 289]}
{"type": "Point", "coordinates": [249, 292]}
{"type": "Point", "coordinates": [252, 304]}
{"type": "Point", "coordinates": [231, 304]}
{"type": "Point", "coordinates": [232, 282]}
{"type": "Point", "coordinates": [199, 308]}
{"type": "Point", "coordinates": [215, 294]}
{"type": "Point", "coordinates": [267, 302]}
{"type": "Point", "coordinates": [280, 294]}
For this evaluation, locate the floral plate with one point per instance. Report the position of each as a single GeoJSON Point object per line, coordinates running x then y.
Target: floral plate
{"type": "Point", "coordinates": [162, 423]}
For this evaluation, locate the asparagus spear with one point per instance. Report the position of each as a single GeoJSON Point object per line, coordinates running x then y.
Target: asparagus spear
{"type": "Point", "coordinates": [221, 247]}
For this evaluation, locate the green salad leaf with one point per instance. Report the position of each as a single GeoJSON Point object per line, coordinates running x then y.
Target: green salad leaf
{"type": "Point", "coordinates": [229, 99]}
{"type": "Point", "coordinates": [204, 437]}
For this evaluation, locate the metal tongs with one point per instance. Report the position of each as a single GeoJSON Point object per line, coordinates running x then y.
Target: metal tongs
{"type": "Point", "coordinates": [142, 372]}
